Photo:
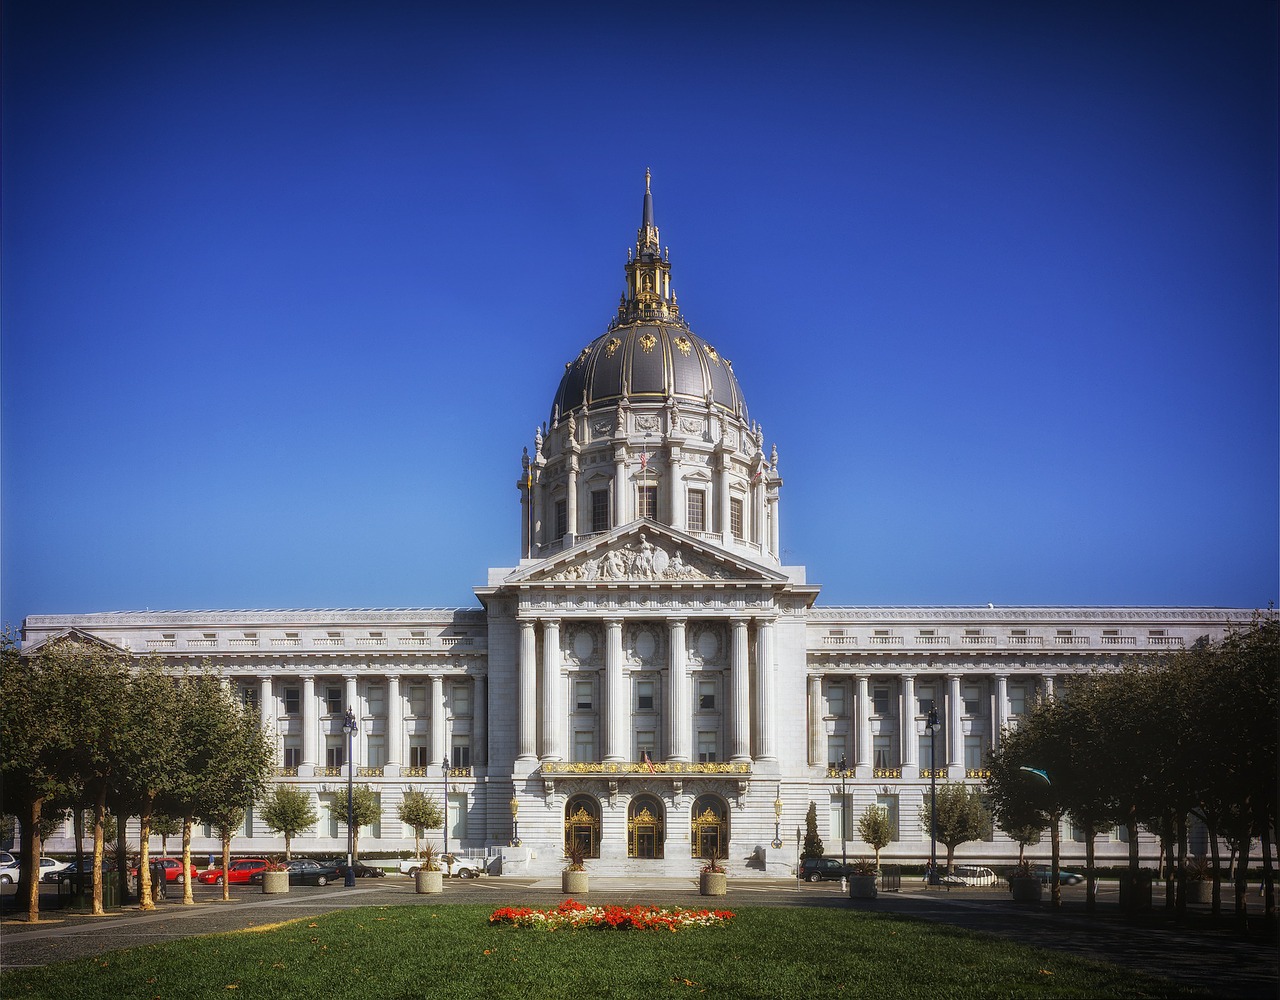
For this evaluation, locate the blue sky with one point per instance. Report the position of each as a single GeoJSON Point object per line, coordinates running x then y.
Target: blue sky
{"type": "Point", "coordinates": [287, 287]}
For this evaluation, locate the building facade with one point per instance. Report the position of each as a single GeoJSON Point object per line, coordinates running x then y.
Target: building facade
{"type": "Point", "coordinates": [648, 681]}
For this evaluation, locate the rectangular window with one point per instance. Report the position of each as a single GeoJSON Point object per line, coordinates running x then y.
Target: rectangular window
{"type": "Point", "coordinates": [292, 753]}
{"type": "Point", "coordinates": [973, 753]}
{"type": "Point", "coordinates": [248, 820]}
{"type": "Point", "coordinates": [924, 753]}
{"type": "Point", "coordinates": [836, 749]}
{"type": "Point", "coordinates": [697, 510]}
{"type": "Point", "coordinates": [333, 701]}
{"type": "Point", "coordinates": [374, 829]}
{"type": "Point", "coordinates": [889, 803]}
{"type": "Point", "coordinates": [292, 701]}
{"type": "Point", "coordinates": [1017, 699]}
{"type": "Point", "coordinates": [599, 510]}
{"type": "Point", "coordinates": [644, 696]}
{"type": "Point", "coordinates": [461, 701]}
{"type": "Point", "coordinates": [584, 745]}
{"type": "Point", "coordinates": [646, 745]}
{"type": "Point", "coordinates": [880, 701]}
{"type": "Point", "coordinates": [562, 518]}
{"type": "Point", "coordinates": [838, 810]}
{"type": "Point", "coordinates": [647, 502]}
{"type": "Point", "coordinates": [377, 750]}
{"type": "Point", "coordinates": [461, 751]}
{"type": "Point", "coordinates": [377, 700]}
{"type": "Point", "coordinates": [924, 700]}
{"type": "Point", "coordinates": [706, 696]}
{"type": "Point", "coordinates": [583, 691]}
{"type": "Point", "coordinates": [972, 700]}
{"type": "Point", "coordinates": [418, 700]}
{"type": "Point", "coordinates": [249, 696]}
{"type": "Point", "coordinates": [419, 752]}
{"type": "Point", "coordinates": [707, 748]}
{"type": "Point", "coordinates": [735, 517]}
{"type": "Point", "coordinates": [334, 751]}
{"type": "Point", "coordinates": [836, 701]}
{"type": "Point", "coordinates": [882, 749]}
{"type": "Point", "coordinates": [335, 811]}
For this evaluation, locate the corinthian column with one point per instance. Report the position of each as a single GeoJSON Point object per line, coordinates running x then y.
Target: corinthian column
{"type": "Point", "coordinates": [615, 695]}
{"type": "Point", "coordinates": [527, 686]}
{"type": "Point", "coordinates": [765, 722]}
{"type": "Point", "coordinates": [740, 684]}
{"type": "Point", "coordinates": [955, 737]}
{"type": "Point", "coordinates": [678, 721]}
{"type": "Point", "coordinates": [816, 729]}
{"type": "Point", "coordinates": [309, 726]}
{"type": "Point", "coordinates": [551, 690]}
{"type": "Point", "coordinates": [395, 725]}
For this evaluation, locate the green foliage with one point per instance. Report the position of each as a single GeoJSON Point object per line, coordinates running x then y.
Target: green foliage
{"type": "Point", "coordinates": [875, 829]}
{"type": "Point", "coordinates": [366, 809]}
{"type": "Point", "coordinates": [287, 810]}
{"type": "Point", "coordinates": [812, 842]}
{"type": "Point", "coordinates": [962, 816]}
{"type": "Point", "coordinates": [421, 812]}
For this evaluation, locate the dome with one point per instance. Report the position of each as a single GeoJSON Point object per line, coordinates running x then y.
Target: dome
{"type": "Point", "coordinates": [648, 354]}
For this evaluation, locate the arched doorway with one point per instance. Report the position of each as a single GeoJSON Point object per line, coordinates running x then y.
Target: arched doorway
{"type": "Point", "coordinates": [582, 825]}
{"type": "Point", "coordinates": [646, 828]}
{"type": "Point", "coordinates": [710, 830]}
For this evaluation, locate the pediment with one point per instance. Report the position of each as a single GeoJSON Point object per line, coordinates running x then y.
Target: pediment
{"type": "Point", "coordinates": [72, 635]}
{"type": "Point", "coordinates": [645, 552]}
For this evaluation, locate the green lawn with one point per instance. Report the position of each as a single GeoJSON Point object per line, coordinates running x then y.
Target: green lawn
{"type": "Point", "coordinates": [451, 951]}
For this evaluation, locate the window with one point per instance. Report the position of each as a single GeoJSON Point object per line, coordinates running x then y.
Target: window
{"type": "Point", "coordinates": [419, 752]}
{"type": "Point", "coordinates": [925, 753]}
{"type": "Point", "coordinates": [707, 751]}
{"type": "Point", "coordinates": [882, 749]}
{"type": "Point", "coordinates": [334, 752]}
{"type": "Point", "coordinates": [735, 517]}
{"type": "Point", "coordinates": [374, 829]}
{"type": "Point", "coordinates": [461, 700]}
{"type": "Point", "coordinates": [335, 809]}
{"type": "Point", "coordinates": [835, 750]}
{"type": "Point", "coordinates": [1156, 633]}
{"type": "Point", "coordinates": [582, 700]}
{"type": "Point", "coordinates": [1018, 632]}
{"type": "Point", "coordinates": [706, 696]}
{"type": "Point", "coordinates": [973, 753]}
{"type": "Point", "coordinates": [584, 745]}
{"type": "Point", "coordinates": [461, 748]}
{"type": "Point", "coordinates": [646, 745]}
{"type": "Point", "coordinates": [333, 701]}
{"type": "Point", "coordinates": [292, 753]}
{"type": "Point", "coordinates": [647, 502]}
{"type": "Point", "coordinates": [697, 510]}
{"type": "Point", "coordinates": [889, 803]}
{"type": "Point", "coordinates": [292, 701]}
{"type": "Point", "coordinates": [880, 701]}
{"type": "Point", "coordinates": [599, 510]}
{"type": "Point", "coordinates": [377, 750]}
{"type": "Point", "coordinates": [1017, 699]}
{"type": "Point", "coordinates": [248, 820]}
{"type": "Point", "coordinates": [562, 518]}
{"type": "Point", "coordinates": [249, 696]}
{"type": "Point", "coordinates": [926, 633]}
{"type": "Point", "coordinates": [377, 700]}
{"type": "Point", "coordinates": [972, 700]}
{"type": "Point", "coordinates": [838, 811]}
{"type": "Point", "coordinates": [924, 700]}
{"type": "Point", "coordinates": [644, 696]}
{"type": "Point", "coordinates": [836, 701]}
{"type": "Point", "coordinates": [418, 700]}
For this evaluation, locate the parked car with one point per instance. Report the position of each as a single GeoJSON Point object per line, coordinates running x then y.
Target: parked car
{"type": "Point", "coordinates": [450, 864]}
{"type": "Point", "coordinates": [7, 860]}
{"type": "Point", "coordinates": [74, 872]}
{"type": "Point", "coordinates": [49, 868]}
{"type": "Point", "coordinates": [360, 868]}
{"type": "Point", "coordinates": [8, 874]}
{"type": "Point", "coordinates": [238, 872]}
{"type": "Point", "coordinates": [1045, 874]}
{"type": "Point", "coordinates": [172, 870]}
{"type": "Point", "coordinates": [817, 869]}
{"type": "Point", "coordinates": [970, 875]}
{"type": "Point", "coordinates": [304, 871]}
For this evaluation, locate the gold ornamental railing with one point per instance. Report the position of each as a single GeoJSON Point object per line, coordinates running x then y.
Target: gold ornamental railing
{"type": "Point", "coordinates": [643, 767]}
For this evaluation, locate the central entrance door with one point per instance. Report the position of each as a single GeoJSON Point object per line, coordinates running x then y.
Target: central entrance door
{"type": "Point", "coordinates": [646, 829]}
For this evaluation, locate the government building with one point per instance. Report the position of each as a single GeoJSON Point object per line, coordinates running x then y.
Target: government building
{"type": "Point", "coordinates": [647, 680]}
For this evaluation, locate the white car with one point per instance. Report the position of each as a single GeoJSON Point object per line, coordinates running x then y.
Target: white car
{"type": "Point", "coordinates": [970, 875]}
{"type": "Point", "coordinates": [8, 874]}
{"type": "Point", "coordinates": [450, 864]}
{"type": "Point", "coordinates": [48, 866]}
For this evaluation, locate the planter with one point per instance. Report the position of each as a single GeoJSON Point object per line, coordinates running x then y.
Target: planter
{"type": "Point", "coordinates": [1026, 890]}
{"type": "Point", "coordinates": [1200, 891]}
{"type": "Point", "coordinates": [573, 883]}
{"type": "Point", "coordinates": [862, 887]}
{"type": "Point", "coordinates": [426, 881]}
{"type": "Point", "coordinates": [713, 883]}
{"type": "Point", "coordinates": [1135, 896]}
{"type": "Point", "coordinates": [275, 882]}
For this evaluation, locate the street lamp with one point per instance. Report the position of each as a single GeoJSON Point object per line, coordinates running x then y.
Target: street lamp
{"type": "Point", "coordinates": [445, 765]}
{"type": "Point", "coordinates": [515, 823]}
{"type": "Point", "coordinates": [844, 817]}
{"type": "Point", "coordinates": [777, 821]}
{"type": "Point", "coordinates": [349, 727]}
{"type": "Point", "coordinates": [931, 724]}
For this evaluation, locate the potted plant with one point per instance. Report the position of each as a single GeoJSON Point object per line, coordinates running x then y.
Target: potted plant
{"type": "Point", "coordinates": [1024, 884]}
{"type": "Point", "coordinates": [429, 877]}
{"type": "Point", "coordinates": [573, 880]}
{"type": "Point", "coordinates": [275, 877]}
{"type": "Point", "coordinates": [1199, 880]}
{"type": "Point", "coordinates": [862, 879]}
{"type": "Point", "coordinates": [713, 880]}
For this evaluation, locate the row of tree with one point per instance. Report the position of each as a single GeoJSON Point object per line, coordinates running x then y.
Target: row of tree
{"type": "Point", "coordinates": [1154, 745]}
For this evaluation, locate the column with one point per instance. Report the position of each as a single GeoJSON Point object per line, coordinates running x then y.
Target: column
{"type": "Point", "coordinates": [758, 525]}
{"type": "Point", "coordinates": [621, 487]}
{"type": "Point", "coordinates": [817, 753]}
{"type": "Point", "coordinates": [1000, 717]}
{"type": "Point", "coordinates": [539, 526]}
{"type": "Point", "coordinates": [439, 727]}
{"type": "Point", "coordinates": [310, 724]}
{"type": "Point", "coordinates": [571, 497]}
{"type": "Point", "coordinates": [395, 724]}
{"type": "Point", "coordinates": [907, 736]}
{"type": "Point", "coordinates": [1046, 687]}
{"type": "Point", "coordinates": [740, 695]}
{"type": "Point", "coordinates": [266, 705]}
{"type": "Point", "coordinates": [350, 685]}
{"type": "Point", "coordinates": [955, 736]}
{"type": "Point", "coordinates": [864, 726]}
{"type": "Point", "coordinates": [616, 736]}
{"type": "Point", "coordinates": [550, 687]}
{"type": "Point", "coordinates": [765, 723]}
{"type": "Point", "coordinates": [527, 686]}
{"type": "Point", "coordinates": [722, 494]}
{"type": "Point", "coordinates": [678, 715]}
{"type": "Point", "coordinates": [773, 526]}
{"type": "Point", "coordinates": [480, 720]}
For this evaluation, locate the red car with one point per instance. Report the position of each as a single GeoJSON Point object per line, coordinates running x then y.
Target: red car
{"type": "Point", "coordinates": [172, 870]}
{"type": "Point", "coordinates": [240, 871]}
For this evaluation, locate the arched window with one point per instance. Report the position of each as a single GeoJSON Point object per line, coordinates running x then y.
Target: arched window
{"type": "Point", "coordinates": [710, 829]}
{"type": "Point", "coordinates": [582, 825]}
{"type": "Point", "coordinates": [646, 828]}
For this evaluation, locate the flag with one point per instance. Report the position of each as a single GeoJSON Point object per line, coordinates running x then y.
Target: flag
{"type": "Point", "coordinates": [644, 460]}
{"type": "Point", "coordinates": [647, 762]}
{"type": "Point", "coordinates": [528, 474]}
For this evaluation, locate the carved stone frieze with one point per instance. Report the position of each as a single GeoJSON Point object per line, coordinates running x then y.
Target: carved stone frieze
{"type": "Point", "coordinates": [642, 559]}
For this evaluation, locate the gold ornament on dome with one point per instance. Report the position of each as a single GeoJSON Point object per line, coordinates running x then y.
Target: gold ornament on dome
{"type": "Point", "coordinates": [684, 345]}
{"type": "Point", "coordinates": [647, 342]}
{"type": "Point", "coordinates": [611, 347]}
{"type": "Point", "coordinates": [586, 351]}
{"type": "Point", "coordinates": [712, 356]}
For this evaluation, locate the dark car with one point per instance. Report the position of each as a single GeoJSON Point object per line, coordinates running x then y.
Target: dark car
{"type": "Point", "coordinates": [304, 871]}
{"type": "Point", "coordinates": [1045, 874]}
{"type": "Point", "coordinates": [817, 869]}
{"type": "Point", "coordinates": [75, 873]}
{"type": "Point", "coordinates": [360, 868]}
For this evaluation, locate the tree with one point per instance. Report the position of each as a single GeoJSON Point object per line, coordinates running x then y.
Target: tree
{"type": "Point", "coordinates": [287, 810]}
{"type": "Point", "coordinates": [165, 826]}
{"type": "Point", "coordinates": [875, 829]}
{"type": "Point", "coordinates": [962, 816]}
{"type": "Point", "coordinates": [421, 812]}
{"type": "Point", "coordinates": [366, 809]}
{"type": "Point", "coordinates": [812, 842]}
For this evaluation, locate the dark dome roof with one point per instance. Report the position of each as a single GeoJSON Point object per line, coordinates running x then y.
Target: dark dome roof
{"type": "Point", "coordinates": [647, 362]}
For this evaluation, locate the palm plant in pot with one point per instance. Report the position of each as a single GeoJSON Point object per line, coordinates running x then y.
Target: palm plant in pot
{"type": "Point", "coordinates": [573, 880]}
{"type": "Point", "coordinates": [1024, 884]}
{"type": "Point", "coordinates": [275, 877]}
{"type": "Point", "coordinates": [429, 877]}
{"type": "Point", "coordinates": [713, 880]}
{"type": "Point", "coordinates": [862, 879]}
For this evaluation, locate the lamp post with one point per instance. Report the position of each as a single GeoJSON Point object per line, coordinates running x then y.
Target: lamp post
{"type": "Point", "coordinates": [777, 821]}
{"type": "Point", "coordinates": [844, 815]}
{"type": "Point", "coordinates": [349, 727]}
{"type": "Point", "coordinates": [515, 822]}
{"type": "Point", "coordinates": [445, 765]}
{"type": "Point", "coordinates": [931, 724]}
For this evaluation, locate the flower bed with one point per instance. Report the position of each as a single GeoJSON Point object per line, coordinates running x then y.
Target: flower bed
{"type": "Point", "coordinates": [571, 915]}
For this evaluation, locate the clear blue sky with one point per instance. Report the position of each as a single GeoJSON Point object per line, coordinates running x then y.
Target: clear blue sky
{"type": "Point", "coordinates": [288, 286]}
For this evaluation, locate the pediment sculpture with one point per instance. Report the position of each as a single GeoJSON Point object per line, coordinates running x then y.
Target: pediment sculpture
{"type": "Point", "coordinates": [641, 559]}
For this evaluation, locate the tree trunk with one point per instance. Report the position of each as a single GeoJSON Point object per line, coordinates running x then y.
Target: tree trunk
{"type": "Point", "coordinates": [1215, 858]}
{"type": "Point", "coordinates": [187, 896]}
{"type": "Point", "coordinates": [145, 901]}
{"type": "Point", "coordinates": [1180, 824]}
{"type": "Point", "coordinates": [1268, 882]}
{"type": "Point", "coordinates": [287, 841]}
{"type": "Point", "coordinates": [29, 870]}
{"type": "Point", "coordinates": [99, 846]}
{"type": "Point", "coordinates": [1055, 853]}
{"type": "Point", "coordinates": [226, 866]}
{"type": "Point", "coordinates": [1090, 878]}
{"type": "Point", "coordinates": [1135, 861]}
{"type": "Point", "coordinates": [1166, 849]}
{"type": "Point", "coordinates": [1242, 868]}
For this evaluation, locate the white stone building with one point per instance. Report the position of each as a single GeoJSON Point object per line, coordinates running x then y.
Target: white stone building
{"type": "Point", "coordinates": [648, 680]}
